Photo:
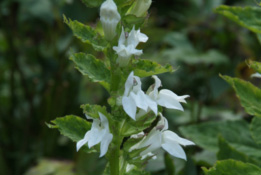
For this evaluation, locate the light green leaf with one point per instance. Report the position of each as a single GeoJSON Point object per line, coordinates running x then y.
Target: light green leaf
{"type": "Point", "coordinates": [95, 69]}
{"type": "Point", "coordinates": [92, 110]}
{"type": "Point", "coordinates": [87, 34]}
{"type": "Point", "coordinates": [248, 17]}
{"type": "Point", "coordinates": [93, 3]}
{"type": "Point", "coordinates": [248, 94]}
{"type": "Point", "coordinates": [145, 68]}
{"type": "Point", "coordinates": [254, 65]}
{"type": "Point", "coordinates": [256, 129]}
{"type": "Point", "coordinates": [72, 127]}
{"type": "Point", "coordinates": [232, 167]}
{"type": "Point", "coordinates": [236, 133]}
{"type": "Point", "coordinates": [226, 151]}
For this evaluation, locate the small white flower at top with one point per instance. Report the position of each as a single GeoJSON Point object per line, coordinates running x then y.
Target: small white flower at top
{"type": "Point", "coordinates": [99, 133]}
{"type": "Point", "coordinates": [127, 46]}
{"type": "Point", "coordinates": [140, 7]}
{"type": "Point", "coordinates": [160, 137]}
{"type": "Point", "coordinates": [110, 17]}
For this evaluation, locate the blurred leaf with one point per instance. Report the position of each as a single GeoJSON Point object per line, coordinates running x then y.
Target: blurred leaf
{"type": "Point", "coordinates": [205, 158]}
{"type": "Point", "coordinates": [256, 129]}
{"type": "Point", "coordinates": [170, 167]}
{"type": "Point", "coordinates": [145, 68]}
{"type": "Point", "coordinates": [232, 167]}
{"type": "Point", "coordinates": [254, 65]}
{"type": "Point", "coordinates": [226, 151]}
{"type": "Point", "coordinates": [87, 34]}
{"type": "Point", "coordinates": [52, 167]}
{"type": "Point", "coordinates": [92, 3]}
{"type": "Point", "coordinates": [249, 95]}
{"type": "Point", "coordinates": [73, 127]}
{"type": "Point", "coordinates": [95, 69]}
{"type": "Point", "coordinates": [236, 133]}
{"type": "Point", "coordinates": [248, 17]}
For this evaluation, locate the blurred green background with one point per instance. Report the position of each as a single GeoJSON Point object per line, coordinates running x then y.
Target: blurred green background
{"type": "Point", "coordinates": [38, 82]}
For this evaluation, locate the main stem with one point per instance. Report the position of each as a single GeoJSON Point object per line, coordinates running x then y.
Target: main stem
{"type": "Point", "coordinates": [114, 159]}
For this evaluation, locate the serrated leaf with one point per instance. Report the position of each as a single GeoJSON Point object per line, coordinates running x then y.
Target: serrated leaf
{"type": "Point", "coordinates": [256, 129]}
{"type": "Point", "coordinates": [248, 17]}
{"type": "Point", "coordinates": [95, 69]}
{"type": "Point", "coordinates": [226, 151]}
{"type": "Point", "coordinates": [254, 65]}
{"type": "Point", "coordinates": [232, 167]}
{"type": "Point", "coordinates": [236, 133]}
{"type": "Point", "coordinates": [73, 127]}
{"type": "Point", "coordinates": [145, 68]}
{"type": "Point", "coordinates": [248, 94]}
{"type": "Point", "coordinates": [87, 35]}
{"type": "Point", "coordinates": [93, 3]}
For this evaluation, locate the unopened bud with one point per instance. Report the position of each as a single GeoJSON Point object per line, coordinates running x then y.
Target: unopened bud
{"type": "Point", "coordinates": [140, 7]}
{"type": "Point", "coordinates": [110, 17]}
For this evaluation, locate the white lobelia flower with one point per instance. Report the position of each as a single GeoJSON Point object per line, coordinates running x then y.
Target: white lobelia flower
{"type": "Point", "coordinates": [166, 97]}
{"type": "Point", "coordinates": [256, 75]}
{"type": "Point", "coordinates": [160, 137]}
{"type": "Point", "coordinates": [140, 7]}
{"type": "Point", "coordinates": [134, 97]}
{"type": "Point", "coordinates": [99, 133]}
{"type": "Point", "coordinates": [110, 17]}
{"type": "Point", "coordinates": [127, 46]}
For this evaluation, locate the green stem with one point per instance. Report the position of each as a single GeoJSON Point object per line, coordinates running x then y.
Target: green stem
{"type": "Point", "coordinates": [114, 158]}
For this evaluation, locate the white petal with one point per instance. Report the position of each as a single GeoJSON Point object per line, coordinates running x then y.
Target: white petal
{"type": "Point", "coordinates": [82, 142]}
{"type": "Point", "coordinates": [140, 100]}
{"type": "Point", "coordinates": [152, 104]}
{"type": "Point", "coordinates": [88, 117]}
{"type": "Point", "coordinates": [256, 75]}
{"type": "Point", "coordinates": [174, 149]}
{"type": "Point", "coordinates": [142, 37]}
{"type": "Point", "coordinates": [169, 135]}
{"type": "Point", "coordinates": [153, 140]}
{"type": "Point", "coordinates": [163, 122]}
{"type": "Point", "coordinates": [104, 121]}
{"type": "Point", "coordinates": [156, 86]}
{"type": "Point", "coordinates": [168, 100]}
{"type": "Point", "coordinates": [173, 95]}
{"type": "Point", "coordinates": [129, 106]}
{"type": "Point", "coordinates": [129, 84]}
{"type": "Point", "coordinates": [105, 144]}
{"type": "Point", "coordinates": [96, 133]}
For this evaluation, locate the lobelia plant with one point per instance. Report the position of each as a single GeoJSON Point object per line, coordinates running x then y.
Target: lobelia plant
{"type": "Point", "coordinates": [133, 127]}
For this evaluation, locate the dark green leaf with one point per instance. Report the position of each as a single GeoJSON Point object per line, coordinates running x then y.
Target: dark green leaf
{"type": "Point", "coordinates": [87, 34]}
{"type": "Point", "coordinates": [249, 95]}
{"type": "Point", "coordinates": [92, 110]}
{"type": "Point", "coordinates": [232, 167]}
{"type": "Point", "coordinates": [93, 3]}
{"type": "Point", "coordinates": [145, 68]}
{"type": "Point", "coordinates": [248, 17]}
{"type": "Point", "coordinates": [256, 129]}
{"type": "Point", "coordinates": [132, 20]}
{"type": "Point", "coordinates": [95, 69]}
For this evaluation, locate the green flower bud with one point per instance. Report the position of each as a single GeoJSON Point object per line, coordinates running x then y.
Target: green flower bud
{"type": "Point", "coordinates": [140, 7]}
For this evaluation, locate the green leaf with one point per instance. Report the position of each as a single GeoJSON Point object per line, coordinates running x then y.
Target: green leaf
{"type": "Point", "coordinates": [95, 69]}
{"type": "Point", "coordinates": [226, 151]}
{"type": "Point", "coordinates": [145, 68]}
{"type": "Point", "coordinates": [254, 65]}
{"type": "Point", "coordinates": [248, 17]}
{"type": "Point", "coordinates": [232, 167]}
{"type": "Point", "coordinates": [256, 129]}
{"type": "Point", "coordinates": [248, 94]}
{"type": "Point", "coordinates": [87, 35]}
{"type": "Point", "coordinates": [236, 133]}
{"type": "Point", "coordinates": [132, 20]}
{"type": "Point", "coordinates": [92, 110]}
{"type": "Point", "coordinates": [93, 3]}
{"type": "Point", "coordinates": [72, 127]}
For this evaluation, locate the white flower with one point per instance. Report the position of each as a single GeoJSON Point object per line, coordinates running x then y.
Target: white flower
{"type": "Point", "coordinates": [99, 133]}
{"type": "Point", "coordinates": [140, 7]}
{"type": "Point", "coordinates": [256, 75]}
{"type": "Point", "coordinates": [159, 137]}
{"type": "Point", "coordinates": [110, 17]}
{"type": "Point", "coordinates": [134, 97]}
{"type": "Point", "coordinates": [166, 97]}
{"type": "Point", "coordinates": [127, 46]}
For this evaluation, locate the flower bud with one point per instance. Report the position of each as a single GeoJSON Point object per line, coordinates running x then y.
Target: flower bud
{"type": "Point", "coordinates": [110, 17]}
{"type": "Point", "coordinates": [140, 7]}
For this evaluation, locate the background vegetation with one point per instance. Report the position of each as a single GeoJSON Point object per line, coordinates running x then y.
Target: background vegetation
{"type": "Point", "coordinates": [38, 83]}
